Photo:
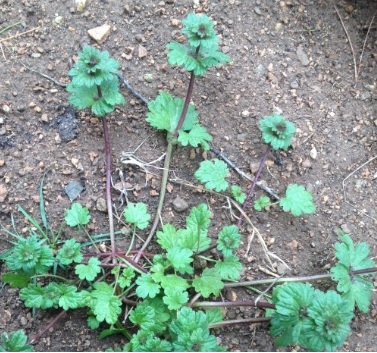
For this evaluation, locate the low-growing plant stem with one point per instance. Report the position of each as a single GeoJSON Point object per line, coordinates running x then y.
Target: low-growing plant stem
{"type": "Point", "coordinates": [259, 320]}
{"type": "Point", "coordinates": [38, 336]}
{"type": "Point", "coordinates": [250, 194]}
{"type": "Point", "coordinates": [237, 303]}
{"type": "Point", "coordinates": [164, 180]}
{"type": "Point", "coordinates": [108, 186]}
{"type": "Point", "coordinates": [325, 276]}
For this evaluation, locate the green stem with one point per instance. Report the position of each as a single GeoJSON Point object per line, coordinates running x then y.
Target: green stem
{"type": "Point", "coordinates": [259, 320]}
{"type": "Point", "coordinates": [9, 27]}
{"type": "Point", "coordinates": [164, 181]}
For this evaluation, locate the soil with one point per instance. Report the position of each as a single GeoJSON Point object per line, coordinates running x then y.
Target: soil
{"type": "Point", "coordinates": [290, 56]}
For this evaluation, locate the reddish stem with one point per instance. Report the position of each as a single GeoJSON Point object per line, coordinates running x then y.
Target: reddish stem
{"type": "Point", "coordinates": [186, 104]}
{"type": "Point", "coordinates": [38, 336]}
{"type": "Point", "coordinates": [250, 194]}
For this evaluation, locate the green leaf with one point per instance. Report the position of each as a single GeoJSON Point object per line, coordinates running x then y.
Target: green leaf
{"type": "Point", "coordinates": [105, 306]}
{"type": "Point", "coordinates": [208, 283]}
{"type": "Point", "coordinates": [173, 281]}
{"type": "Point", "coordinates": [277, 131]}
{"type": "Point", "coordinates": [228, 239]}
{"type": "Point", "coordinates": [167, 238]}
{"type": "Point", "coordinates": [145, 341]}
{"type": "Point", "coordinates": [137, 214]}
{"type": "Point", "coordinates": [297, 200]}
{"type": "Point", "coordinates": [230, 268]}
{"type": "Point", "coordinates": [77, 215]}
{"type": "Point", "coordinates": [126, 277]}
{"type": "Point", "coordinates": [70, 298]}
{"type": "Point", "coordinates": [195, 237]}
{"type": "Point", "coordinates": [143, 316]}
{"type": "Point", "coordinates": [87, 97]}
{"type": "Point", "coordinates": [162, 314]}
{"type": "Point", "coordinates": [175, 299]}
{"type": "Point", "coordinates": [180, 259]}
{"type": "Point", "coordinates": [214, 315]}
{"type": "Point", "coordinates": [355, 288]}
{"type": "Point", "coordinates": [165, 111]}
{"type": "Point", "coordinates": [93, 67]}
{"type": "Point", "coordinates": [198, 135]}
{"type": "Point", "coordinates": [30, 256]}
{"type": "Point", "coordinates": [146, 286]}
{"type": "Point", "coordinates": [199, 30]}
{"type": "Point", "coordinates": [190, 333]}
{"type": "Point", "coordinates": [16, 279]}
{"type": "Point", "coordinates": [332, 316]}
{"type": "Point", "coordinates": [70, 252]}
{"type": "Point", "coordinates": [212, 174]}
{"type": "Point", "coordinates": [238, 194]}
{"type": "Point", "coordinates": [36, 296]}
{"type": "Point", "coordinates": [15, 342]}
{"type": "Point", "coordinates": [92, 322]}
{"type": "Point", "coordinates": [261, 203]}
{"type": "Point", "coordinates": [199, 63]}
{"type": "Point", "coordinates": [89, 271]}
{"type": "Point", "coordinates": [290, 321]}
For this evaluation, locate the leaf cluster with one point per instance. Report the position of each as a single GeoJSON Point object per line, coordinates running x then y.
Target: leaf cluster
{"type": "Point", "coordinates": [164, 113]}
{"type": "Point", "coordinates": [201, 51]}
{"type": "Point", "coordinates": [94, 82]}
{"type": "Point", "coordinates": [356, 289]}
{"type": "Point", "coordinates": [277, 131]}
{"type": "Point", "coordinates": [15, 342]}
{"type": "Point", "coordinates": [306, 316]}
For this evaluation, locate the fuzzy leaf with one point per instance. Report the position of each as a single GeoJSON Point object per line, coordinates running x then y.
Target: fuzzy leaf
{"type": "Point", "coordinates": [198, 135]}
{"type": "Point", "coordinates": [208, 283]}
{"type": "Point", "coordinates": [212, 174]}
{"type": "Point", "coordinates": [137, 214]}
{"type": "Point", "coordinates": [70, 252]}
{"type": "Point", "coordinates": [261, 203]}
{"type": "Point", "coordinates": [214, 315]}
{"type": "Point", "coordinates": [16, 279]}
{"type": "Point", "coordinates": [143, 316]}
{"type": "Point", "coordinates": [332, 316]}
{"type": "Point", "coordinates": [77, 215]}
{"type": "Point", "coordinates": [105, 306]}
{"type": "Point", "coordinates": [145, 341]}
{"type": "Point", "coordinates": [30, 256]}
{"type": "Point", "coordinates": [167, 238]}
{"type": "Point", "coordinates": [174, 298]}
{"type": "Point", "coordinates": [70, 298]}
{"type": "Point", "coordinates": [297, 200]}
{"type": "Point", "coordinates": [36, 296]}
{"type": "Point", "coordinates": [146, 286]}
{"type": "Point", "coordinates": [180, 259]}
{"type": "Point", "coordinates": [126, 277]}
{"type": "Point", "coordinates": [196, 237]}
{"type": "Point", "coordinates": [277, 131]}
{"type": "Point", "coordinates": [15, 342]}
{"type": "Point", "coordinates": [355, 288]}
{"type": "Point", "coordinates": [175, 282]}
{"type": "Point", "coordinates": [238, 194]}
{"type": "Point", "coordinates": [230, 268]}
{"type": "Point", "coordinates": [228, 239]}
{"type": "Point", "coordinates": [165, 111]}
{"type": "Point", "coordinates": [190, 332]}
{"type": "Point", "coordinates": [89, 271]}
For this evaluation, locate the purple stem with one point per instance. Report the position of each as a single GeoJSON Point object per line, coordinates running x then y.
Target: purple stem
{"type": "Point", "coordinates": [186, 104]}
{"type": "Point", "coordinates": [250, 194]}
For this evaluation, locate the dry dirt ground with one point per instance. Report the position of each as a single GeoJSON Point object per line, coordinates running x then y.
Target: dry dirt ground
{"type": "Point", "coordinates": [289, 56]}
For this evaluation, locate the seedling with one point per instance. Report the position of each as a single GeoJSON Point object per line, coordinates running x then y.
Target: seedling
{"type": "Point", "coordinates": [15, 342]}
{"type": "Point", "coordinates": [178, 118]}
{"type": "Point", "coordinates": [95, 85]}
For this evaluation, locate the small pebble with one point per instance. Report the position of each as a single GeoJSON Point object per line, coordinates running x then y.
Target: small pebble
{"type": "Point", "coordinates": [180, 205]}
{"type": "Point", "coordinates": [101, 204]}
{"type": "Point", "coordinates": [257, 10]}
